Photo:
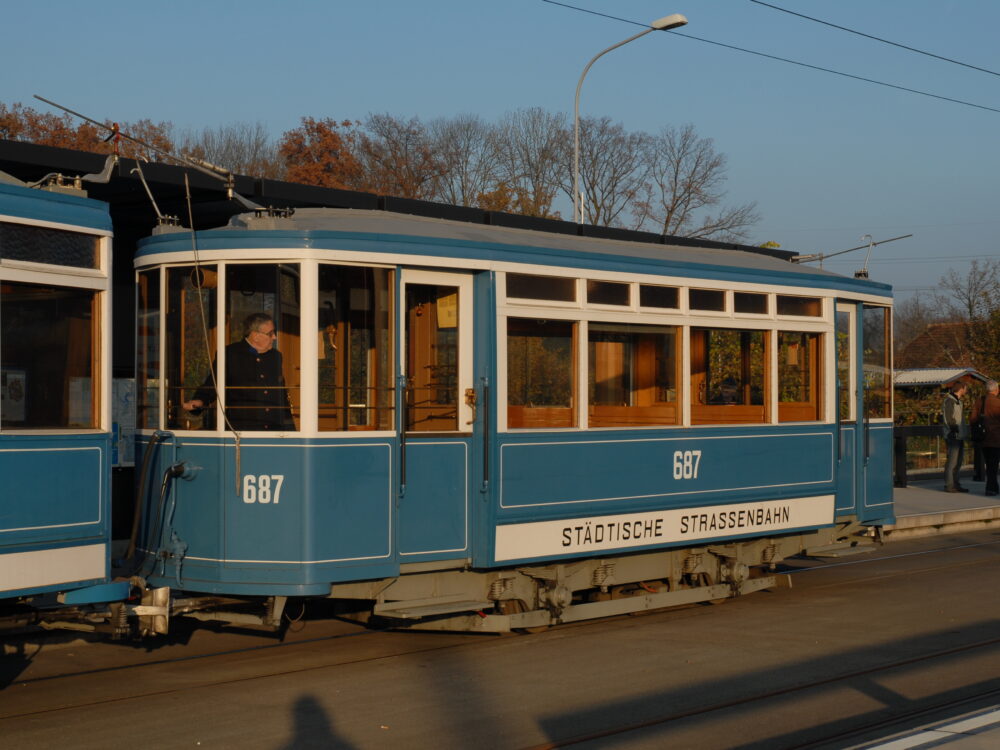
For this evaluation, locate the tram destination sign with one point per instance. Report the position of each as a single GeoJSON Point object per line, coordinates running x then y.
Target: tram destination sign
{"type": "Point", "coordinates": [551, 538]}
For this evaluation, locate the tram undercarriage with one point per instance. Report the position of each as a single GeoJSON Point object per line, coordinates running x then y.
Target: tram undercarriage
{"type": "Point", "coordinates": [529, 597]}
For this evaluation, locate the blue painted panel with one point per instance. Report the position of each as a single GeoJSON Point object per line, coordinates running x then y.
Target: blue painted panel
{"type": "Point", "coordinates": [433, 514]}
{"type": "Point", "coordinates": [60, 208]}
{"type": "Point", "coordinates": [265, 530]}
{"type": "Point", "coordinates": [351, 501]}
{"type": "Point", "coordinates": [878, 476]}
{"type": "Point", "coordinates": [107, 592]}
{"type": "Point", "coordinates": [634, 473]}
{"type": "Point", "coordinates": [847, 470]}
{"type": "Point", "coordinates": [55, 487]}
{"type": "Point", "coordinates": [330, 522]}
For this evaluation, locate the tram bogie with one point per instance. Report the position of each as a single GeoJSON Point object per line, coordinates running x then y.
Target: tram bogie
{"type": "Point", "coordinates": [539, 596]}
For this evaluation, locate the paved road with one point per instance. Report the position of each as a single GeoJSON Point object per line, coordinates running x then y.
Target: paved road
{"type": "Point", "coordinates": [852, 643]}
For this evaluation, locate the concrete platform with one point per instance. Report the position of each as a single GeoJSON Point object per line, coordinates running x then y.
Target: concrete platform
{"type": "Point", "coordinates": [924, 508]}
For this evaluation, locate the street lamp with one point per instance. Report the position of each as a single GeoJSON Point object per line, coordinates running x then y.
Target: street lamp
{"type": "Point", "coordinates": [661, 24]}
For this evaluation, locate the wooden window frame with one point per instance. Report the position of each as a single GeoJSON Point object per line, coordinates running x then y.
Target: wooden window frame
{"type": "Point", "coordinates": [520, 416]}
{"type": "Point", "coordinates": [736, 413]}
{"type": "Point", "coordinates": [811, 410]}
{"type": "Point", "coordinates": [646, 410]}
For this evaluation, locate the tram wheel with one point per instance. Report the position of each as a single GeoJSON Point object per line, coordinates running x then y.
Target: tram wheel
{"type": "Point", "coordinates": [516, 607]}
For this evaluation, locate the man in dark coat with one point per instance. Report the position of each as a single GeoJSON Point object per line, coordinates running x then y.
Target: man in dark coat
{"type": "Point", "coordinates": [989, 409]}
{"type": "Point", "coordinates": [256, 397]}
{"type": "Point", "coordinates": [955, 434]}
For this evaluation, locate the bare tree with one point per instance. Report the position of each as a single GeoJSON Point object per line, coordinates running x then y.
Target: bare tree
{"type": "Point", "coordinates": [468, 157]}
{"type": "Point", "coordinates": [910, 318]}
{"type": "Point", "coordinates": [684, 186]}
{"type": "Point", "coordinates": [243, 148]}
{"type": "Point", "coordinates": [399, 158]}
{"type": "Point", "coordinates": [530, 144]}
{"type": "Point", "coordinates": [973, 296]}
{"type": "Point", "coordinates": [613, 169]}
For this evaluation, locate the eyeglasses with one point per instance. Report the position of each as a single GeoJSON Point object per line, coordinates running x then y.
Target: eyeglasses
{"type": "Point", "coordinates": [269, 334]}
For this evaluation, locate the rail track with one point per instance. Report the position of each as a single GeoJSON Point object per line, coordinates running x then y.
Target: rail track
{"type": "Point", "coordinates": [212, 662]}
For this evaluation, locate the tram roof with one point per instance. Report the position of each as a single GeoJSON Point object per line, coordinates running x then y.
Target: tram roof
{"type": "Point", "coordinates": [51, 206]}
{"type": "Point", "coordinates": [406, 234]}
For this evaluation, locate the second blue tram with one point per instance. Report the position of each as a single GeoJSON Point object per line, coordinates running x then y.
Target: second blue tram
{"type": "Point", "coordinates": [496, 428]}
{"type": "Point", "coordinates": [55, 405]}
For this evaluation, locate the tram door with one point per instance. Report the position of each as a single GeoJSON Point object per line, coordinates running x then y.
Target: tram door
{"type": "Point", "coordinates": [864, 418]}
{"type": "Point", "coordinates": [849, 426]}
{"type": "Point", "coordinates": [438, 412]}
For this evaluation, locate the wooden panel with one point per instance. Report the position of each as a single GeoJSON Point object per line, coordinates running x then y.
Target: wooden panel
{"type": "Point", "coordinates": [635, 416]}
{"type": "Point", "coordinates": [727, 414]}
{"type": "Point", "coordinates": [798, 412]}
{"type": "Point", "coordinates": [539, 416]}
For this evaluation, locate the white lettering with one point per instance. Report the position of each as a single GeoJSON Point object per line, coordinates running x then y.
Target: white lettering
{"type": "Point", "coordinates": [263, 488]}
{"type": "Point", "coordinates": [686, 464]}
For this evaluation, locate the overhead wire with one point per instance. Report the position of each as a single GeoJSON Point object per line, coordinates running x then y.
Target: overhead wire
{"type": "Point", "coordinates": [875, 38]}
{"type": "Point", "coordinates": [937, 259]}
{"type": "Point", "coordinates": [784, 59]}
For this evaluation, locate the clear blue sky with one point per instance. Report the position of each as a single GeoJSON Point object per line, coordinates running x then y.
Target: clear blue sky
{"type": "Point", "coordinates": [826, 158]}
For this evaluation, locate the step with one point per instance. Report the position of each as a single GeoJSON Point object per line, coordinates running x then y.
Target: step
{"type": "Point", "coordinates": [842, 550]}
{"type": "Point", "coordinates": [418, 608]}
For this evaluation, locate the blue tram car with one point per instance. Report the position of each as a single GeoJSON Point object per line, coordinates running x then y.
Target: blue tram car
{"type": "Point", "coordinates": [55, 412]}
{"type": "Point", "coordinates": [491, 428]}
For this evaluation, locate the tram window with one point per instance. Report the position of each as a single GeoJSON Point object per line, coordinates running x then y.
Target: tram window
{"type": "Point", "coordinates": [555, 288]}
{"type": "Point", "coordinates": [148, 350]}
{"type": "Point", "coordinates": [355, 365]}
{"type": "Point", "coordinates": [707, 299]}
{"type": "Point", "coordinates": [803, 306]}
{"type": "Point", "coordinates": [664, 297]}
{"type": "Point", "coordinates": [261, 298]}
{"type": "Point", "coordinates": [541, 382]}
{"type": "Point", "coordinates": [750, 303]}
{"type": "Point", "coordinates": [190, 331]}
{"type": "Point", "coordinates": [877, 365]}
{"type": "Point", "coordinates": [728, 376]}
{"type": "Point", "coordinates": [49, 357]}
{"type": "Point", "coordinates": [799, 378]}
{"type": "Point", "coordinates": [607, 293]}
{"type": "Point", "coordinates": [632, 375]}
{"type": "Point", "coordinates": [845, 358]}
{"type": "Point", "coordinates": [43, 245]}
{"type": "Point", "coordinates": [432, 357]}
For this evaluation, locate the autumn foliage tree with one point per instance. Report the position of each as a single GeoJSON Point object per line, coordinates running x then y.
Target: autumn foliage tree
{"type": "Point", "coordinates": [322, 152]}
{"type": "Point", "coordinates": [21, 123]}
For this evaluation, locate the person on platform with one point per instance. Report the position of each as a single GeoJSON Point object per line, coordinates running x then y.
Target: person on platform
{"type": "Point", "coordinates": [256, 397]}
{"type": "Point", "coordinates": [954, 433]}
{"type": "Point", "coordinates": [989, 409]}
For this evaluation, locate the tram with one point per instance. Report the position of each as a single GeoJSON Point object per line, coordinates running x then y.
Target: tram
{"type": "Point", "coordinates": [491, 428]}
{"type": "Point", "coordinates": [55, 400]}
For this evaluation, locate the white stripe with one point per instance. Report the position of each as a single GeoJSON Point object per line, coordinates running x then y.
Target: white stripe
{"type": "Point", "coordinates": [600, 533]}
{"type": "Point", "coordinates": [50, 567]}
{"type": "Point", "coordinates": [941, 733]}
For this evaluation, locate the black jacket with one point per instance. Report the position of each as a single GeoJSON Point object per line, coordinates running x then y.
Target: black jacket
{"type": "Point", "coordinates": [256, 397]}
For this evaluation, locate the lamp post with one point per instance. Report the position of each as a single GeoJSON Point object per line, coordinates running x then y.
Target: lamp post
{"type": "Point", "coordinates": [661, 24]}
